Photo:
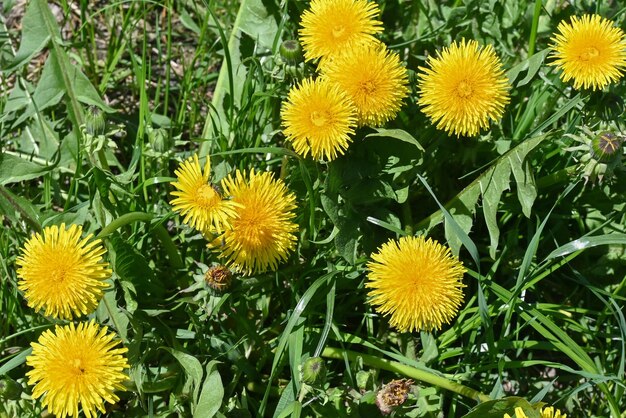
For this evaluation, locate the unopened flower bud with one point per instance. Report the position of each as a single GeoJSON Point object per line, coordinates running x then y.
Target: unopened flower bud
{"type": "Point", "coordinates": [160, 140]}
{"type": "Point", "coordinates": [393, 394]}
{"type": "Point", "coordinates": [364, 380]}
{"type": "Point", "coordinates": [95, 122]}
{"type": "Point", "coordinates": [291, 51]}
{"type": "Point", "coordinates": [606, 146]}
{"type": "Point", "coordinates": [9, 389]}
{"type": "Point", "coordinates": [313, 370]}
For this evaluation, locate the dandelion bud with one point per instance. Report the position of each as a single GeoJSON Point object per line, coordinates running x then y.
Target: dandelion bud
{"type": "Point", "coordinates": [291, 51]}
{"type": "Point", "coordinates": [364, 380]}
{"type": "Point", "coordinates": [393, 394]}
{"type": "Point", "coordinates": [606, 146]}
{"type": "Point", "coordinates": [9, 389]}
{"type": "Point", "coordinates": [95, 122]}
{"type": "Point", "coordinates": [218, 278]}
{"type": "Point", "coordinates": [160, 140]}
{"type": "Point", "coordinates": [313, 371]}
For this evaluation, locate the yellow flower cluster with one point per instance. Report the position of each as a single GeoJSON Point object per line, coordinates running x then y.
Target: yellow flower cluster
{"type": "Point", "coordinates": [360, 82]}
{"type": "Point", "coordinates": [75, 367]}
{"type": "Point", "coordinates": [549, 412]}
{"type": "Point", "coordinates": [250, 222]}
{"type": "Point", "coordinates": [461, 89]}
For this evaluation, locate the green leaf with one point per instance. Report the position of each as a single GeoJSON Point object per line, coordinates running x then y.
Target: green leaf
{"type": "Point", "coordinates": [346, 239]}
{"type": "Point", "coordinates": [255, 21]}
{"type": "Point", "coordinates": [397, 134]}
{"type": "Point", "coordinates": [131, 266]}
{"type": "Point", "coordinates": [16, 361]}
{"type": "Point", "coordinates": [587, 242]}
{"type": "Point", "coordinates": [52, 87]}
{"type": "Point", "coordinates": [534, 64]}
{"type": "Point", "coordinates": [14, 169]}
{"type": "Point", "coordinates": [212, 393]}
{"type": "Point", "coordinates": [493, 185]}
{"type": "Point", "coordinates": [291, 323]}
{"type": "Point", "coordinates": [490, 185]}
{"type": "Point", "coordinates": [192, 367]}
{"type": "Point", "coordinates": [454, 226]}
{"type": "Point", "coordinates": [35, 35]}
{"type": "Point", "coordinates": [497, 408]}
{"type": "Point", "coordinates": [11, 205]}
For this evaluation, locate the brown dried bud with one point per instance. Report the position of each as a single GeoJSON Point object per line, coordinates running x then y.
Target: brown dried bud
{"type": "Point", "coordinates": [393, 394]}
{"type": "Point", "coordinates": [218, 278]}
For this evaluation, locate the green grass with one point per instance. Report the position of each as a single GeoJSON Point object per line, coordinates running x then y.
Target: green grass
{"type": "Point", "coordinates": [543, 316]}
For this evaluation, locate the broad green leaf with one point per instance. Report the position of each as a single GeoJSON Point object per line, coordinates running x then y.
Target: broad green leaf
{"type": "Point", "coordinates": [212, 393]}
{"type": "Point", "coordinates": [35, 34]}
{"type": "Point", "coordinates": [524, 182]}
{"type": "Point", "coordinates": [454, 226]}
{"type": "Point", "coordinates": [490, 185]}
{"type": "Point", "coordinates": [534, 64]}
{"type": "Point", "coordinates": [191, 365]}
{"type": "Point", "coordinates": [14, 169]}
{"type": "Point", "coordinates": [397, 134]}
{"type": "Point", "coordinates": [17, 100]}
{"type": "Point", "coordinates": [346, 239]}
{"type": "Point", "coordinates": [285, 403]}
{"type": "Point", "coordinates": [11, 205]}
{"type": "Point", "coordinates": [497, 408]}
{"type": "Point", "coordinates": [132, 266]}
{"type": "Point", "coordinates": [108, 309]}
{"type": "Point", "coordinates": [52, 87]}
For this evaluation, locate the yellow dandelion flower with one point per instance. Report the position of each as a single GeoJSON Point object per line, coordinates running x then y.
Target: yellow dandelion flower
{"type": "Point", "coordinates": [318, 118]}
{"type": "Point", "coordinates": [549, 412]}
{"type": "Point", "coordinates": [373, 78]}
{"type": "Point", "coordinates": [262, 232]}
{"type": "Point", "coordinates": [589, 50]}
{"type": "Point", "coordinates": [417, 282]}
{"type": "Point", "coordinates": [62, 273]}
{"type": "Point", "coordinates": [463, 88]}
{"type": "Point", "coordinates": [519, 413]}
{"type": "Point", "coordinates": [332, 26]}
{"type": "Point", "coordinates": [197, 199]}
{"type": "Point", "coordinates": [76, 366]}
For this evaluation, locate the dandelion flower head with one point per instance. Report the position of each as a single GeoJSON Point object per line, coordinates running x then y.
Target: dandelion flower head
{"type": "Point", "coordinates": [61, 273]}
{"type": "Point", "coordinates": [463, 88]}
{"type": "Point", "coordinates": [197, 199]}
{"type": "Point", "coordinates": [590, 50]}
{"type": "Point", "coordinates": [262, 232]}
{"type": "Point", "coordinates": [332, 26]}
{"type": "Point", "coordinates": [418, 282]}
{"type": "Point", "coordinates": [76, 366]}
{"type": "Point", "coordinates": [373, 78]}
{"type": "Point", "coordinates": [318, 118]}
{"type": "Point", "coordinates": [549, 412]}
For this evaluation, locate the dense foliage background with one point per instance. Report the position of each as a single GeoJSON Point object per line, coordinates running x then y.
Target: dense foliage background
{"type": "Point", "coordinates": [543, 314]}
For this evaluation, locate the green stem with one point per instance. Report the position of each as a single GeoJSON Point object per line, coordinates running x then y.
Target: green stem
{"type": "Point", "coordinates": [159, 230]}
{"type": "Point", "coordinates": [533, 28]}
{"type": "Point", "coordinates": [394, 366]}
{"type": "Point", "coordinates": [557, 177]}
